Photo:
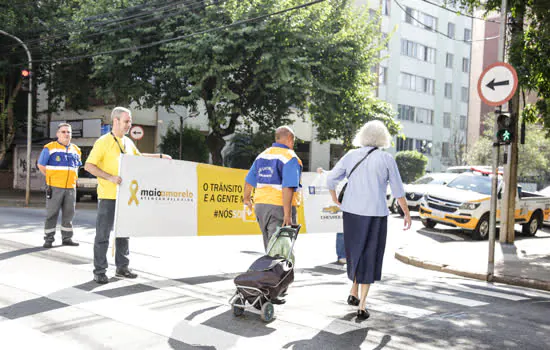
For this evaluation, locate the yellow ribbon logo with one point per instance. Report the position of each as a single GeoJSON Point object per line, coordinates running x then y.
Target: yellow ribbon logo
{"type": "Point", "coordinates": [133, 193]}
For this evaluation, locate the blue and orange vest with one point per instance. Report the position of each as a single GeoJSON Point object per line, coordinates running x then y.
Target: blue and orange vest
{"type": "Point", "coordinates": [269, 176]}
{"type": "Point", "coordinates": [62, 166]}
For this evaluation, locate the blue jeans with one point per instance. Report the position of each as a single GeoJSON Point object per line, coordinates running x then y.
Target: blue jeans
{"type": "Point", "coordinates": [340, 248]}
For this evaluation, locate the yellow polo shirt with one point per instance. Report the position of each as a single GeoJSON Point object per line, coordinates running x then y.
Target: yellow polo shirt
{"type": "Point", "coordinates": [106, 155]}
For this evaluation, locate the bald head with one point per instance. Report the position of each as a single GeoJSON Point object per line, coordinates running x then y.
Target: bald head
{"type": "Point", "coordinates": [285, 135]}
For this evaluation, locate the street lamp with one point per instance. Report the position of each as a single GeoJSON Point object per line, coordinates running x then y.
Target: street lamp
{"type": "Point", "coordinates": [29, 118]}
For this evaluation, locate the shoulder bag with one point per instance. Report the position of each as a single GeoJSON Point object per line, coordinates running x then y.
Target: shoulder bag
{"type": "Point", "coordinates": [343, 191]}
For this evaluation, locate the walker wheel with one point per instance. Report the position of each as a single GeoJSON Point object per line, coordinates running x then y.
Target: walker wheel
{"type": "Point", "coordinates": [238, 307]}
{"type": "Point", "coordinates": [267, 312]}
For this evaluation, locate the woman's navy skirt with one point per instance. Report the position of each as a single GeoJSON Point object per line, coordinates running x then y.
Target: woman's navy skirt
{"type": "Point", "coordinates": [365, 241]}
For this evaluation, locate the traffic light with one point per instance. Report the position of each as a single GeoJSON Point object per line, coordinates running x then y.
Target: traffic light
{"type": "Point", "coordinates": [25, 77]}
{"type": "Point", "coordinates": [505, 132]}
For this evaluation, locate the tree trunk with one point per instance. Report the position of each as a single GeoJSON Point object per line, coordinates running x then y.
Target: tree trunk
{"type": "Point", "coordinates": [517, 43]}
{"type": "Point", "coordinates": [8, 129]}
{"type": "Point", "coordinates": [215, 144]}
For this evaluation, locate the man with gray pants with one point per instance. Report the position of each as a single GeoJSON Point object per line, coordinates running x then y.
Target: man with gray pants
{"type": "Point", "coordinates": [59, 162]}
{"type": "Point", "coordinates": [103, 162]}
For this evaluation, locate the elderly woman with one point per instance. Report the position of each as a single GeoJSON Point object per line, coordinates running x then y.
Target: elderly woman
{"type": "Point", "coordinates": [364, 207]}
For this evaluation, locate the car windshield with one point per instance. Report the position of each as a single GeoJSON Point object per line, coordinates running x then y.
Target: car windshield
{"type": "Point", "coordinates": [476, 183]}
{"type": "Point", "coordinates": [440, 179]}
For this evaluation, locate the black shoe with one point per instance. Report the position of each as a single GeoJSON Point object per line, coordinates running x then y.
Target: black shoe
{"type": "Point", "coordinates": [278, 301]}
{"type": "Point", "coordinates": [125, 272]}
{"type": "Point", "coordinates": [353, 301]}
{"type": "Point", "coordinates": [363, 314]}
{"type": "Point", "coordinates": [47, 244]}
{"type": "Point", "coordinates": [70, 242]}
{"type": "Point", "coordinates": [101, 278]}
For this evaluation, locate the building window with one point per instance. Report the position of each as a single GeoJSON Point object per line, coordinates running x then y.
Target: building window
{"type": "Point", "coordinates": [447, 120]}
{"type": "Point", "coordinates": [405, 112]}
{"type": "Point", "coordinates": [449, 60]}
{"type": "Point", "coordinates": [336, 152]}
{"type": "Point", "coordinates": [451, 30]}
{"type": "Point", "coordinates": [424, 116]}
{"type": "Point", "coordinates": [467, 34]}
{"type": "Point", "coordinates": [465, 65]}
{"type": "Point", "coordinates": [385, 41]}
{"type": "Point", "coordinates": [404, 145]}
{"type": "Point", "coordinates": [419, 19]}
{"type": "Point", "coordinates": [448, 90]}
{"type": "Point", "coordinates": [424, 146]}
{"type": "Point", "coordinates": [386, 7]}
{"type": "Point", "coordinates": [445, 149]}
{"type": "Point", "coordinates": [302, 150]}
{"type": "Point", "coordinates": [462, 122]}
{"type": "Point", "coordinates": [416, 83]}
{"type": "Point", "coordinates": [382, 75]}
{"type": "Point", "coordinates": [464, 94]}
{"type": "Point", "coordinates": [419, 51]}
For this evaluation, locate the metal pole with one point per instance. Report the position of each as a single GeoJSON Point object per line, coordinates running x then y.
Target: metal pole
{"type": "Point", "coordinates": [29, 118]}
{"type": "Point", "coordinates": [496, 151]}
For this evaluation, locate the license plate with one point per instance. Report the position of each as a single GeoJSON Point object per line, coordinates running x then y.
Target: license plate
{"type": "Point", "coordinates": [438, 213]}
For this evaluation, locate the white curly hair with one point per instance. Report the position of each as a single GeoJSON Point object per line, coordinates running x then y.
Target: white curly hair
{"type": "Point", "coordinates": [374, 134]}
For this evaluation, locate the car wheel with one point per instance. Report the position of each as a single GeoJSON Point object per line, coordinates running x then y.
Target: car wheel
{"type": "Point", "coordinates": [481, 231]}
{"type": "Point", "coordinates": [428, 223]}
{"type": "Point", "coordinates": [530, 229]}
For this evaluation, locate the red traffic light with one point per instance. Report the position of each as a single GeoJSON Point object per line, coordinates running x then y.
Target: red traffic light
{"type": "Point", "coordinates": [25, 73]}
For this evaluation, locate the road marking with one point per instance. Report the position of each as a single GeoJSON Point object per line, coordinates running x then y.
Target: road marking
{"type": "Point", "coordinates": [430, 295]}
{"type": "Point", "coordinates": [16, 335]}
{"type": "Point", "coordinates": [397, 309]}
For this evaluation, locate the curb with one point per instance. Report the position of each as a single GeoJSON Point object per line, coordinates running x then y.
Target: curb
{"type": "Point", "coordinates": [511, 280]}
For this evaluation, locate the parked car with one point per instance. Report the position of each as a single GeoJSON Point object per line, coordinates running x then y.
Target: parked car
{"type": "Point", "coordinates": [465, 203]}
{"type": "Point", "coordinates": [546, 193]}
{"type": "Point", "coordinates": [86, 184]}
{"type": "Point", "coordinates": [415, 191]}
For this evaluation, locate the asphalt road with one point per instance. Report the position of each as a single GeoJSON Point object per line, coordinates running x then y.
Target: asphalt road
{"type": "Point", "coordinates": [179, 301]}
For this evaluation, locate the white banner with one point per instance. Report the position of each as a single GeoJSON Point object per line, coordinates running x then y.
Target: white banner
{"type": "Point", "coordinates": [157, 197]}
{"type": "Point", "coordinates": [321, 213]}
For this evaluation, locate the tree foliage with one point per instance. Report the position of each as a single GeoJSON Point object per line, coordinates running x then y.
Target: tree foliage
{"type": "Point", "coordinates": [193, 144]}
{"type": "Point", "coordinates": [245, 147]}
{"type": "Point", "coordinates": [411, 165]}
{"type": "Point", "coordinates": [534, 156]}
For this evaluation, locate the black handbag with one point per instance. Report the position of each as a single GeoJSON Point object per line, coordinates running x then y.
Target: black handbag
{"type": "Point", "coordinates": [343, 191]}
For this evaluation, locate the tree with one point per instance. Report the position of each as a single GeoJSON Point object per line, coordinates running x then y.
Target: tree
{"type": "Point", "coordinates": [245, 147]}
{"type": "Point", "coordinates": [342, 97]}
{"type": "Point", "coordinates": [534, 156]}
{"type": "Point", "coordinates": [411, 164]}
{"type": "Point", "coordinates": [194, 146]}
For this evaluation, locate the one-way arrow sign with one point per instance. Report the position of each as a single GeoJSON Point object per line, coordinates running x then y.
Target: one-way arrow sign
{"type": "Point", "coordinates": [492, 84]}
{"type": "Point", "coordinates": [497, 84]}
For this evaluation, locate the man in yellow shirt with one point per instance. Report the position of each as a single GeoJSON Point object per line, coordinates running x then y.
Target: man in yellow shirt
{"type": "Point", "coordinates": [103, 162]}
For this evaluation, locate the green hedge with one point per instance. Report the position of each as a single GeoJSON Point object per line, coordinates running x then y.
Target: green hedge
{"type": "Point", "coordinates": [411, 164]}
{"type": "Point", "coordinates": [193, 142]}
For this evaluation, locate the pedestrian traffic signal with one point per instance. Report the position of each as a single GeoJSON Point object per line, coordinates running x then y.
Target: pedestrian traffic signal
{"type": "Point", "coordinates": [505, 132]}
{"type": "Point", "coordinates": [25, 78]}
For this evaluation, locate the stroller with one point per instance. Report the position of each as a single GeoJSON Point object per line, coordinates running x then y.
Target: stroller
{"type": "Point", "coordinates": [268, 277]}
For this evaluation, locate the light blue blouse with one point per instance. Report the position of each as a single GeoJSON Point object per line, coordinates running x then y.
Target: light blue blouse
{"type": "Point", "coordinates": [366, 190]}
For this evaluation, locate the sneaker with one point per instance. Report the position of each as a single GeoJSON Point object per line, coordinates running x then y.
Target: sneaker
{"type": "Point", "coordinates": [342, 261]}
{"type": "Point", "coordinates": [101, 278]}
{"type": "Point", "coordinates": [125, 272]}
{"type": "Point", "coordinates": [70, 242]}
{"type": "Point", "coordinates": [47, 244]}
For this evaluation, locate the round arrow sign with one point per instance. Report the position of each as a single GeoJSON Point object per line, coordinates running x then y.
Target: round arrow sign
{"type": "Point", "coordinates": [497, 84]}
{"type": "Point", "coordinates": [136, 132]}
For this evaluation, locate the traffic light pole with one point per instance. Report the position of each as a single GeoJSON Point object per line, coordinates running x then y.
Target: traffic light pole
{"type": "Point", "coordinates": [29, 118]}
{"type": "Point", "coordinates": [496, 151]}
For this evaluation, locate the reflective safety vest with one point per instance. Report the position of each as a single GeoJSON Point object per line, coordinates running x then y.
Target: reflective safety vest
{"type": "Point", "coordinates": [269, 175]}
{"type": "Point", "coordinates": [62, 165]}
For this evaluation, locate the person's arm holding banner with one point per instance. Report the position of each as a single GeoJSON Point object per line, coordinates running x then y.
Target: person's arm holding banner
{"type": "Point", "coordinates": [97, 172]}
{"type": "Point", "coordinates": [250, 183]}
{"type": "Point", "coordinates": [156, 155]}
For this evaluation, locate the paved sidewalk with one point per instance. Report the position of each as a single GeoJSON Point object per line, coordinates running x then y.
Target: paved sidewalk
{"type": "Point", "coordinates": [525, 263]}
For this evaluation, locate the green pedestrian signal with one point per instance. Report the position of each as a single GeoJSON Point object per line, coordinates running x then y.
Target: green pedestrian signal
{"type": "Point", "coordinates": [505, 132]}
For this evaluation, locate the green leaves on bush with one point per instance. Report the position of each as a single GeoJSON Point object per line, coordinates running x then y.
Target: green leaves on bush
{"type": "Point", "coordinates": [411, 164]}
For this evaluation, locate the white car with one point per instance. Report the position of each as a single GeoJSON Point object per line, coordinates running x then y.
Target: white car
{"type": "Point", "coordinates": [546, 193]}
{"type": "Point", "coordinates": [415, 191]}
